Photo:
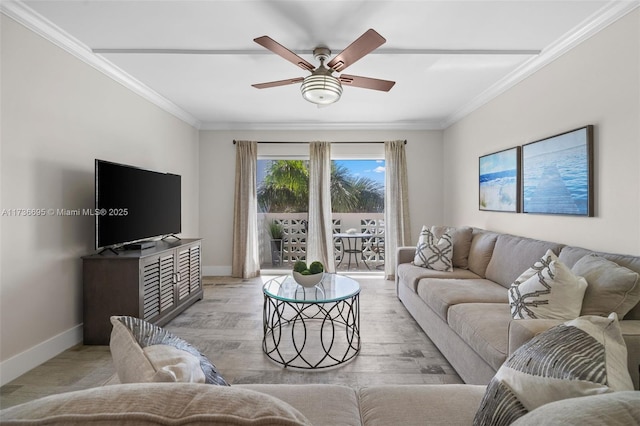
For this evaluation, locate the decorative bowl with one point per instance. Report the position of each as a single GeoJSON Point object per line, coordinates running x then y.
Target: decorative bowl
{"type": "Point", "coordinates": [307, 280]}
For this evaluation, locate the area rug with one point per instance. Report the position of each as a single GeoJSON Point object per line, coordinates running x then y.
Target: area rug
{"type": "Point", "coordinates": [227, 327]}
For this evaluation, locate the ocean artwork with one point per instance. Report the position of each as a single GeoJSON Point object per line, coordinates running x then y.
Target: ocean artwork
{"type": "Point", "coordinates": [498, 178]}
{"type": "Point", "coordinates": [556, 174]}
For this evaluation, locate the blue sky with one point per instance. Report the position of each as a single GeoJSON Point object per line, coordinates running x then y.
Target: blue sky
{"type": "Point", "coordinates": [372, 169]}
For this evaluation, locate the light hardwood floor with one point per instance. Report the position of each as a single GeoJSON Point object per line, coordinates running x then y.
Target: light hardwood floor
{"type": "Point", "coordinates": [227, 327]}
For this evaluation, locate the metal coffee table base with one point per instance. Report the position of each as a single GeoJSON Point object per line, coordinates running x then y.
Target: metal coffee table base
{"type": "Point", "coordinates": [311, 335]}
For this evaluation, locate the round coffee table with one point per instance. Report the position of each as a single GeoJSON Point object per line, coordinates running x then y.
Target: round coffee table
{"type": "Point", "coordinates": [311, 328]}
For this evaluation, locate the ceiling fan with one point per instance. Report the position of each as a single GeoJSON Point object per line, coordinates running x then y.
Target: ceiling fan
{"type": "Point", "coordinates": [321, 87]}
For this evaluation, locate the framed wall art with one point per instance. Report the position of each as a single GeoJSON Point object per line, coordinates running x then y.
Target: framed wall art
{"type": "Point", "coordinates": [499, 181]}
{"type": "Point", "coordinates": [557, 174]}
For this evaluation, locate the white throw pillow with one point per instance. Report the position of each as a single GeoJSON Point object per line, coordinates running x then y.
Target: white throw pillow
{"type": "Point", "coordinates": [434, 253]}
{"type": "Point", "coordinates": [174, 365]}
{"type": "Point", "coordinates": [547, 290]}
{"type": "Point", "coordinates": [585, 356]}
{"type": "Point", "coordinates": [143, 352]}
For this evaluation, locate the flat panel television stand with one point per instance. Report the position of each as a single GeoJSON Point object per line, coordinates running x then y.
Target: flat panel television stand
{"type": "Point", "coordinates": [154, 284]}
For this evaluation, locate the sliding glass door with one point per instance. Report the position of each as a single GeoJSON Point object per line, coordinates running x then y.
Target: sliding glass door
{"type": "Point", "coordinates": [357, 198]}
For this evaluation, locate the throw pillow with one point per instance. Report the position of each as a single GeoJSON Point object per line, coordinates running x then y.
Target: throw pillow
{"type": "Point", "coordinates": [547, 290]}
{"type": "Point", "coordinates": [585, 356]}
{"type": "Point", "coordinates": [612, 288]}
{"type": "Point", "coordinates": [461, 238]}
{"type": "Point", "coordinates": [434, 253]}
{"type": "Point", "coordinates": [143, 352]}
{"type": "Point", "coordinates": [611, 409]}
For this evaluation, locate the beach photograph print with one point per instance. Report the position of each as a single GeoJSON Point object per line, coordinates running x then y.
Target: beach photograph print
{"type": "Point", "coordinates": [557, 174]}
{"type": "Point", "coordinates": [500, 181]}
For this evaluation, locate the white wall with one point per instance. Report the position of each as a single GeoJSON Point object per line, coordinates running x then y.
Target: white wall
{"type": "Point", "coordinates": [597, 83]}
{"type": "Point", "coordinates": [58, 115]}
{"type": "Point", "coordinates": [217, 169]}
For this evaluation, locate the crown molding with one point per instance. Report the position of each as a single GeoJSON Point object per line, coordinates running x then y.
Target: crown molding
{"type": "Point", "coordinates": [400, 125]}
{"type": "Point", "coordinates": [28, 17]}
{"type": "Point", "coordinates": [586, 29]}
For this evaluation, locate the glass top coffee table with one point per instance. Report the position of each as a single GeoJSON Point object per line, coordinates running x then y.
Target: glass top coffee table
{"type": "Point", "coordinates": [311, 327]}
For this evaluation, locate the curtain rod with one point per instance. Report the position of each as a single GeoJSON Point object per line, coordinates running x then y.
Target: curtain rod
{"type": "Point", "coordinates": [276, 142]}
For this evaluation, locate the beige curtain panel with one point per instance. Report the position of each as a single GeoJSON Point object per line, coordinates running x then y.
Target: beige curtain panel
{"type": "Point", "coordinates": [320, 233]}
{"type": "Point", "coordinates": [396, 204]}
{"type": "Point", "coordinates": [245, 261]}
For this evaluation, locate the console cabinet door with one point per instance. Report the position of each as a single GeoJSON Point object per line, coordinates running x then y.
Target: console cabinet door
{"type": "Point", "coordinates": [158, 281]}
{"type": "Point", "coordinates": [189, 276]}
{"type": "Point", "coordinates": [154, 284]}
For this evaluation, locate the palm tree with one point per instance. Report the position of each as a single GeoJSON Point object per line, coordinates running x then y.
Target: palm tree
{"type": "Point", "coordinates": [370, 196]}
{"type": "Point", "coordinates": [343, 196]}
{"type": "Point", "coordinates": [285, 189]}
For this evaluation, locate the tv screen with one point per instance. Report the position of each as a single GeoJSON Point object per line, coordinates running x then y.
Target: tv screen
{"type": "Point", "coordinates": [133, 204]}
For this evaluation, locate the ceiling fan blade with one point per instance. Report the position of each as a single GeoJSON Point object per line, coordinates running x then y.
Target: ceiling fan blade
{"type": "Point", "coordinates": [269, 43]}
{"type": "Point", "coordinates": [366, 82]}
{"type": "Point", "coordinates": [278, 83]}
{"type": "Point", "coordinates": [366, 43]}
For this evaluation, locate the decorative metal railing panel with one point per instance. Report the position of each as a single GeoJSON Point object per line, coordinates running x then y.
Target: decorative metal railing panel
{"type": "Point", "coordinates": [294, 244]}
{"type": "Point", "coordinates": [373, 247]}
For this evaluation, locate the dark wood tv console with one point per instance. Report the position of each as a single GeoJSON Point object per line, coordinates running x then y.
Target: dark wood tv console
{"type": "Point", "coordinates": [154, 284]}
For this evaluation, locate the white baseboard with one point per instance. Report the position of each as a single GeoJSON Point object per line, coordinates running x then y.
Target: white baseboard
{"type": "Point", "coordinates": [216, 271]}
{"type": "Point", "coordinates": [17, 365]}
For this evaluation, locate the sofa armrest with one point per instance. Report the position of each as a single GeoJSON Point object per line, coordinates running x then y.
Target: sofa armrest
{"type": "Point", "coordinates": [631, 335]}
{"type": "Point", "coordinates": [405, 254]}
{"type": "Point", "coordinates": [523, 330]}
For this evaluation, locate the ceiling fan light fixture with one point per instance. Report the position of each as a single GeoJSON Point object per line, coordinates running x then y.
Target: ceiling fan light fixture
{"type": "Point", "coordinates": [321, 89]}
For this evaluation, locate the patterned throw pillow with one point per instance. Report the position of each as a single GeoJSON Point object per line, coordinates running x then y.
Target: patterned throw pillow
{"type": "Point", "coordinates": [461, 238]}
{"type": "Point", "coordinates": [547, 290]}
{"type": "Point", "coordinates": [434, 253]}
{"type": "Point", "coordinates": [585, 356]}
{"type": "Point", "coordinates": [143, 352]}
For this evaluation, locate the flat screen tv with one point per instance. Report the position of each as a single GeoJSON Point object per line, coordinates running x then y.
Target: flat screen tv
{"type": "Point", "coordinates": [133, 204]}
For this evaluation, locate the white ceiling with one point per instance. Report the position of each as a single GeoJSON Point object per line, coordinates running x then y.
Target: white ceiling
{"type": "Point", "coordinates": [214, 90]}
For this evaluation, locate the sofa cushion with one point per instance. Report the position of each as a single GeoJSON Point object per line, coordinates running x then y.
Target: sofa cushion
{"type": "Point", "coordinates": [434, 253]}
{"type": "Point", "coordinates": [156, 403]}
{"type": "Point", "coordinates": [520, 332]}
{"type": "Point", "coordinates": [441, 294]}
{"type": "Point", "coordinates": [585, 356]}
{"type": "Point", "coordinates": [570, 255]}
{"type": "Point", "coordinates": [448, 405]}
{"type": "Point", "coordinates": [322, 404]}
{"type": "Point", "coordinates": [611, 409]}
{"type": "Point", "coordinates": [461, 237]}
{"type": "Point", "coordinates": [143, 352]}
{"type": "Point", "coordinates": [612, 288]}
{"type": "Point", "coordinates": [410, 274]}
{"type": "Point", "coordinates": [484, 327]}
{"type": "Point", "coordinates": [482, 245]}
{"type": "Point", "coordinates": [512, 255]}
{"type": "Point", "coordinates": [547, 290]}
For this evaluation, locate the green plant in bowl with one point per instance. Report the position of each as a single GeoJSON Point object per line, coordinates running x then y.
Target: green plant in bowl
{"type": "Point", "coordinates": [316, 268]}
{"type": "Point", "coordinates": [308, 277]}
{"type": "Point", "coordinates": [300, 266]}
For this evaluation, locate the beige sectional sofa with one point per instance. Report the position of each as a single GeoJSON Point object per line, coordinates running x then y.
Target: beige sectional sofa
{"type": "Point", "coordinates": [466, 312]}
{"type": "Point", "coordinates": [281, 404]}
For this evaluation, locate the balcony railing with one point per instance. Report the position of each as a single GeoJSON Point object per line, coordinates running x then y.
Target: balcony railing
{"type": "Point", "coordinates": [294, 243]}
